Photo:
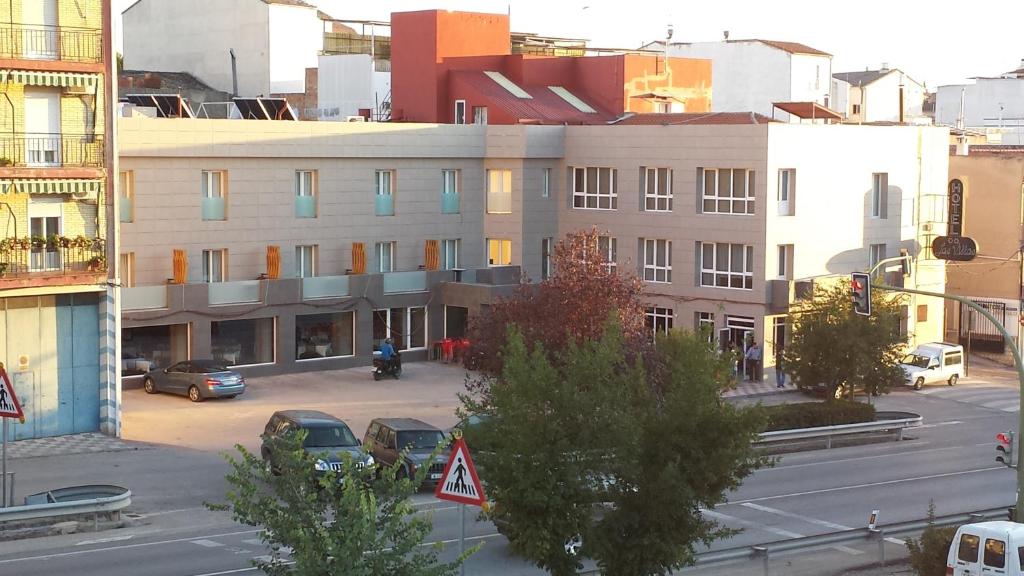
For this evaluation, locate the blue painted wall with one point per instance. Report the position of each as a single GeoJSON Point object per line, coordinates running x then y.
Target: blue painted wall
{"type": "Point", "coordinates": [78, 363]}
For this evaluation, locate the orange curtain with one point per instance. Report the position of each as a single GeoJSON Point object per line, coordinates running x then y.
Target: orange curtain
{"type": "Point", "coordinates": [273, 262]}
{"type": "Point", "coordinates": [180, 266]}
{"type": "Point", "coordinates": [358, 258]}
{"type": "Point", "coordinates": [432, 258]}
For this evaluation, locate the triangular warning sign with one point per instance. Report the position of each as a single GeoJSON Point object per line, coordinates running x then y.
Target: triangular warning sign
{"type": "Point", "coordinates": [9, 407]}
{"type": "Point", "coordinates": [459, 483]}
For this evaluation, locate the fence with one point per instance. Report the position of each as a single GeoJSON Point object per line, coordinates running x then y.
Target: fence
{"type": "Point", "coordinates": [36, 42]}
{"type": "Point", "coordinates": [35, 149]}
{"type": "Point", "coordinates": [984, 335]}
{"type": "Point", "coordinates": [56, 255]}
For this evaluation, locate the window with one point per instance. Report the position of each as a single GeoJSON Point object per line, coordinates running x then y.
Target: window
{"type": "Point", "coordinates": [662, 107]}
{"type": "Point", "coordinates": [460, 111]}
{"type": "Point", "coordinates": [385, 192]}
{"type": "Point", "coordinates": [243, 342]}
{"type": "Point", "coordinates": [127, 272]}
{"type": "Point", "coordinates": [45, 219]}
{"type": "Point", "coordinates": [876, 253]}
{"type": "Point", "coordinates": [856, 109]}
{"type": "Point", "coordinates": [608, 246]}
{"type": "Point", "coordinates": [657, 186]}
{"type": "Point", "coordinates": [499, 191]}
{"type": "Point", "coordinates": [879, 195]}
{"type": "Point", "coordinates": [545, 190]}
{"type": "Point", "coordinates": [144, 347]}
{"type": "Point", "coordinates": [656, 256]}
{"type": "Point", "coordinates": [968, 548]}
{"type": "Point", "coordinates": [450, 181]}
{"type": "Point", "coordinates": [594, 188]}
{"type": "Point", "coordinates": [213, 195]}
{"type": "Point", "coordinates": [385, 253]}
{"type": "Point", "coordinates": [127, 196]}
{"type": "Point", "coordinates": [904, 327]}
{"type": "Point", "coordinates": [546, 247]}
{"type": "Point", "coordinates": [215, 265]}
{"type": "Point", "coordinates": [785, 261]}
{"type": "Point", "coordinates": [479, 114]}
{"type": "Point", "coordinates": [922, 312]}
{"type": "Point", "coordinates": [787, 180]}
{"type": "Point", "coordinates": [450, 250]}
{"type": "Point", "coordinates": [727, 265]}
{"type": "Point", "coordinates": [727, 191]}
{"type": "Point", "coordinates": [407, 327]}
{"type": "Point", "coordinates": [325, 335]}
{"type": "Point", "coordinates": [779, 333]}
{"type": "Point", "coordinates": [305, 194]}
{"type": "Point", "coordinates": [995, 553]}
{"type": "Point", "coordinates": [659, 319]}
{"type": "Point", "coordinates": [705, 324]}
{"type": "Point", "coordinates": [499, 252]}
{"type": "Point", "coordinates": [305, 261]}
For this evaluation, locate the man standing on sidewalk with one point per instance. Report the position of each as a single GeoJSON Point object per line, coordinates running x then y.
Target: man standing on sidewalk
{"type": "Point", "coordinates": [780, 373]}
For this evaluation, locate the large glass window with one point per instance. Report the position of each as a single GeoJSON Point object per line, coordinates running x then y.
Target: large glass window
{"type": "Point", "coordinates": [385, 253]}
{"type": "Point", "coordinates": [879, 195]}
{"type": "Point", "coordinates": [594, 188]}
{"type": "Point", "coordinates": [324, 335]}
{"type": "Point", "coordinates": [305, 261]}
{"type": "Point", "coordinates": [456, 319]}
{"type": "Point", "coordinates": [215, 265]}
{"type": "Point", "coordinates": [407, 327]}
{"type": "Point", "coordinates": [144, 348]}
{"type": "Point", "coordinates": [127, 195]}
{"type": "Point", "coordinates": [659, 319]}
{"type": "Point", "coordinates": [241, 342]}
{"type": "Point", "coordinates": [499, 191]}
{"type": "Point", "coordinates": [305, 194]}
{"type": "Point", "coordinates": [787, 181]}
{"type": "Point", "coordinates": [450, 191]}
{"type": "Point", "coordinates": [499, 252]}
{"type": "Point", "coordinates": [608, 247]}
{"type": "Point", "coordinates": [727, 265]}
{"type": "Point", "coordinates": [450, 250]}
{"type": "Point", "coordinates": [657, 184]}
{"type": "Point", "coordinates": [656, 256]}
{"type": "Point", "coordinates": [384, 182]}
{"type": "Point", "coordinates": [214, 193]}
{"type": "Point", "coordinates": [546, 248]}
{"type": "Point", "coordinates": [727, 191]}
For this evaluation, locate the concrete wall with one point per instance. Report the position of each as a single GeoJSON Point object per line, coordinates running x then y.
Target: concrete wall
{"type": "Point", "coordinates": [882, 99]}
{"type": "Point", "coordinates": [746, 76]}
{"type": "Point", "coordinates": [195, 36]}
{"type": "Point", "coordinates": [982, 102]}
{"type": "Point", "coordinates": [296, 38]}
{"type": "Point", "coordinates": [811, 75]}
{"type": "Point", "coordinates": [349, 82]}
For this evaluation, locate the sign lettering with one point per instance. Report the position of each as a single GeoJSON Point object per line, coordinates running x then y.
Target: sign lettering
{"type": "Point", "coordinates": [956, 208]}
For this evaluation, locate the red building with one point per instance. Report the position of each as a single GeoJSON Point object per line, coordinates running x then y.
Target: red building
{"type": "Point", "coordinates": [457, 67]}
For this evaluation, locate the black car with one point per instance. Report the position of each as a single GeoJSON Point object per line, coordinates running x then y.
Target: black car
{"type": "Point", "coordinates": [327, 438]}
{"type": "Point", "coordinates": [388, 437]}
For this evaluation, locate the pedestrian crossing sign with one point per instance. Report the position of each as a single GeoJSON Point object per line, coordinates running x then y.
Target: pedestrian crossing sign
{"type": "Point", "coordinates": [9, 406]}
{"type": "Point", "coordinates": [459, 483]}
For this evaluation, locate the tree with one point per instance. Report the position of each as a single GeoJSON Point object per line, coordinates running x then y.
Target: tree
{"type": "Point", "coordinates": [832, 345]}
{"type": "Point", "coordinates": [571, 306]}
{"type": "Point", "coordinates": [359, 521]}
{"type": "Point", "coordinates": [928, 555]}
{"type": "Point", "coordinates": [622, 451]}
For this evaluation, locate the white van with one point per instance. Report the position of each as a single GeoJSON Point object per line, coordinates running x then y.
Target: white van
{"type": "Point", "coordinates": [933, 362]}
{"type": "Point", "coordinates": [987, 549]}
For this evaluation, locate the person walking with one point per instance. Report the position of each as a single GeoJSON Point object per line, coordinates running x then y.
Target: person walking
{"type": "Point", "coordinates": [780, 371]}
{"type": "Point", "coordinates": [753, 357]}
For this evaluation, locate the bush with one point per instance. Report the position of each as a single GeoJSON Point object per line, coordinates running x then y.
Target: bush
{"type": "Point", "coordinates": [813, 414]}
{"type": "Point", "coordinates": [928, 555]}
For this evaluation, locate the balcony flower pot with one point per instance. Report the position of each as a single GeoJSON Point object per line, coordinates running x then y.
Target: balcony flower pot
{"type": "Point", "coordinates": [3, 269]}
{"type": "Point", "coordinates": [97, 264]}
{"type": "Point", "coordinates": [6, 162]}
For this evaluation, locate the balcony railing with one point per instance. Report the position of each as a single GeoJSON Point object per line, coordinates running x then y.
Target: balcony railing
{"type": "Point", "coordinates": [34, 42]}
{"type": "Point", "coordinates": [413, 281]}
{"type": "Point", "coordinates": [56, 255]}
{"type": "Point", "coordinates": [144, 297]}
{"type": "Point", "coordinates": [237, 292]}
{"type": "Point", "coordinates": [384, 205]}
{"type": "Point", "coordinates": [305, 206]}
{"type": "Point", "coordinates": [449, 203]}
{"type": "Point", "coordinates": [51, 150]}
{"type": "Point", "coordinates": [324, 287]}
{"type": "Point", "coordinates": [213, 208]}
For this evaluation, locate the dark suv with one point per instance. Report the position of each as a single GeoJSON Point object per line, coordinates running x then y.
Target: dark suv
{"type": "Point", "coordinates": [388, 437]}
{"type": "Point", "coordinates": [327, 438]}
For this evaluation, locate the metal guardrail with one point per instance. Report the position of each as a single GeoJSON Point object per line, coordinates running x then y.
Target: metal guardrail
{"type": "Point", "coordinates": [828, 432]}
{"type": "Point", "coordinates": [86, 507]}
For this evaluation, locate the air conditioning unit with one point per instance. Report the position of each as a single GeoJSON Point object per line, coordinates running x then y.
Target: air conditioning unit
{"type": "Point", "coordinates": [354, 119]}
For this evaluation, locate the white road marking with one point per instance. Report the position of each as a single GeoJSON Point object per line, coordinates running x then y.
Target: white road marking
{"type": "Point", "coordinates": [104, 540]}
{"type": "Point", "coordinates": [937, 424]}
{"type": "Point", "coordinates": [810, 520]}
{"type": "Point", "coordinates": [253, 542]}
{"type": "Point", "coordinates": [780, 531]}
{"type": "Point", "coordinates": [206, 543]}
{"type": "Point", "coordinates": [124, 547]}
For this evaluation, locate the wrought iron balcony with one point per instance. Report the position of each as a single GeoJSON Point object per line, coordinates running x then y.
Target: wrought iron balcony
{"type": "Point", "coordinates": [51, 150]}
{"type": "Point", "coordinates": [53, 256]}
{"type": "Point", "coordinates": [35, 42]}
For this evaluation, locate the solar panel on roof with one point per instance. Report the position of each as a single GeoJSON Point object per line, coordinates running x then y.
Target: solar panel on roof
{"type": "Point", "coordinates": [250, 108]}
{"type": "Point", "coordinates": [167, 105]}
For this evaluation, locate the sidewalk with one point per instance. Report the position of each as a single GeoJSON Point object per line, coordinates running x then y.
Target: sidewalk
{"type": "Point", "coordinates": [764, 387]}
{"type": "Point", "coordinates": [88, 443]}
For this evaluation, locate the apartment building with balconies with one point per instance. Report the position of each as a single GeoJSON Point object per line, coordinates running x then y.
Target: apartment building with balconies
{"type": "Point", "coordinates": [57, 306]}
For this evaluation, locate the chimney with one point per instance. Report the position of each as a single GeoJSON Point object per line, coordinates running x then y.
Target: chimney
{"type": "Point", "coordinates": [885, 67]}
{"type": "Point", "coordinates": [726, 35]}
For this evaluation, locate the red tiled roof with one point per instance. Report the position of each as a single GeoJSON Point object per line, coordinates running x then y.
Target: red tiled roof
{"type": "Point", "coordinates": [811, 110]}
{"type": "Point", "coordinates": [545, 107]}
{"type": "Point", "coordinates": [674, 119]}
{"type": "Point", "coordinates": [794, 47]}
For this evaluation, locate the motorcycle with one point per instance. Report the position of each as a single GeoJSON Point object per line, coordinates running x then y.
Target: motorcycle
{"type": "Point", "coordinates": [392, 368]}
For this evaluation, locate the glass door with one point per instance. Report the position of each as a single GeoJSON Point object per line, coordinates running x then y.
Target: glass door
{"type": "Point", "coordinates": [45, 256]}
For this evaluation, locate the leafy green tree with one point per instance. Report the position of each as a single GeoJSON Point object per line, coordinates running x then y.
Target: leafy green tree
{"type": "Point", "coordinates": [357, 522]}
{"type": "Point", "coordinates": [928, 555]}
{"type": "Point", "coordinates": [832, 345]}
{"type": "Point", "coordinates": [622, 451]}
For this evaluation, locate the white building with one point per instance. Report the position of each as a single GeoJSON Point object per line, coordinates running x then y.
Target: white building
{"type": "Point", "coordinates": [874, 96]}
{"type": "Point", "coordinates": [750, 75]}
{"type": "Point", "coordinates": [348, 83]}
{"type": "Point", "coordinates": [993, 104]}
{"type": "Point", "coordinates": [273, 41]}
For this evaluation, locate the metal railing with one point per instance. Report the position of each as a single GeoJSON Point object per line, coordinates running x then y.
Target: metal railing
{"type": "Point", "coordinates": [51, 150]}
{"type": "Point", "coordinates": [35, 42]}
{"type": "Point", "coordinates": [54, 256]}
{"type": "Point", "coordinates": [897, 425]}
{"type": "Point", "coordinates": [113, 500]}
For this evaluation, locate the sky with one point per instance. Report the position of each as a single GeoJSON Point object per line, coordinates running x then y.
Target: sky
{"type": "Point", "coordinates": [936, 43]}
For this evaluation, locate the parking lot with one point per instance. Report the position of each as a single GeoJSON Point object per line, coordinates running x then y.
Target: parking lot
{"type": "Point", "coordinates": [427, 391]}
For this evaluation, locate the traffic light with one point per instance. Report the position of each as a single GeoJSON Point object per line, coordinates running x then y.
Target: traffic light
{"type": "Point", "coordinates": [1005, 448]}
{"type": "Point", "coordinates": [861, 290]}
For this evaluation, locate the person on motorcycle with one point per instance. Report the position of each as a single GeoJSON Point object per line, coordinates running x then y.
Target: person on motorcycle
{"type": "Point", "coordinates": [387, 353]}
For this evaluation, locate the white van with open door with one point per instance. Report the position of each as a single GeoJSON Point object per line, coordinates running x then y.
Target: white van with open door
{"type": "Point", "coordinates": [986, 549]}
{"type": "Point", "coordinates": [933, 362]}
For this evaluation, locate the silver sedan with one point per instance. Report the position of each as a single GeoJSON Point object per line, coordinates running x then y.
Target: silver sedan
{"type": "Point", "coordinates": [197, 379]}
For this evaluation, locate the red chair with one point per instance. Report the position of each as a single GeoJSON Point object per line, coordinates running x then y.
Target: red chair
{"type": "Point", "coordinates": [448, 349]}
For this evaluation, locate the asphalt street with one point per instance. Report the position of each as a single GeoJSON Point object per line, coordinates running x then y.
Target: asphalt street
{"type": "Point", "coordinates": [949, 461]}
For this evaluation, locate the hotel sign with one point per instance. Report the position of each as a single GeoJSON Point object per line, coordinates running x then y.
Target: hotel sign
{"type": "Point", "coordinates": [955, 246]}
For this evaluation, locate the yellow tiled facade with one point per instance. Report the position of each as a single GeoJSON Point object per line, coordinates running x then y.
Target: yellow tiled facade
{"type": "Point", "coordinates": [70, 13]}
{"type": "Point", "coordinates": [78, 112]}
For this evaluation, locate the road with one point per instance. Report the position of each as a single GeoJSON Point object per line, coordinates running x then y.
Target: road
{"type": "Point", "coordinates": [950, 461]}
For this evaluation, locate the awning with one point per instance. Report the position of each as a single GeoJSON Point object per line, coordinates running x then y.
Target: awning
{"type": "Point", "coordinates": [56, 79]}
{"type": "Point", "coordinates": [808, 110]}
{"type": "Point", "coordinates": [77, 188]}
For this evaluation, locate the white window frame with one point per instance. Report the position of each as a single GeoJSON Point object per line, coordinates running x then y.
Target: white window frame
{"type": "Point", "coordinates": [499, 191]}
{"type": "Point", "coordinates": [666, 316]}
{"type": "Point", "coordinates": [547, 246]}
{"type": "Point", "coordinates": [305, 260]}
{"type": "Point", "coordinates": [609, 248]}
{"type": "Point", "coordinates": [451, 247]}
{"type": "Point", "coordinates": [712, 203]}
{"type": "Point", "coordinates": [450, 181]}
{"type": "Point", "coordinates": [545, 191]}
{"type": "Point", "coordinates": [653, 250]}
{"type": "Point", "coordinates": [719, 272]}
{"type": "Point", "coordinates": [127, 269]}
{"type": "Point", "coordinates": [480, 115]}
{"type": "Point", "coordinates": [658, 199]}
{"type": "Point", "coordinates": [460, 112]}
{"type": "Point", "coordinates": [384, 182]}
{"type": "Point", "coordinates": [305, 182]}
{"type": "Point", "coordinates": [879, 183]}
{"type": "Point", "coordinates": [583, 198]}
{"type": "Point", "coordinates": [787, 179]}
{"type": "Point", "coordinates": [380, 249]}
{"type": "Point", "coordinates": [127, 182]}
{"type": "Point", "coordinates": [504, 246]}
{"type": "Point", "coordinates": [209, 176]}
{"type": "Point", "coordinates": [406, 343]}
{"type": "Point", "coordinates": [209, 267]}
{"type": "Point", "coordinates": [784, 263]}
{"type": "Point", "coordinates": [706, 319]}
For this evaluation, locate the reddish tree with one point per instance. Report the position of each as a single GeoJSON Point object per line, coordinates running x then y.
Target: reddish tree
{"type": "Point", "coordinates": [573, 305]}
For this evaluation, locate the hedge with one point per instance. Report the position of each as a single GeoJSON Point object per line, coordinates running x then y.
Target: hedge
{"type": "Point", "coordinates": [812, 414]}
